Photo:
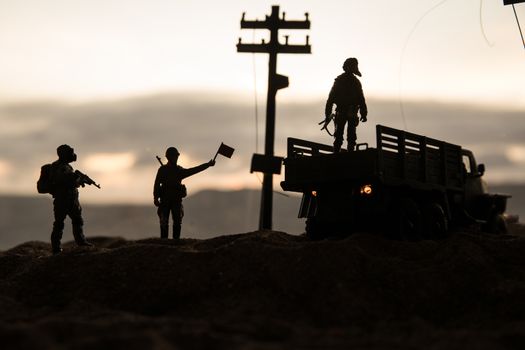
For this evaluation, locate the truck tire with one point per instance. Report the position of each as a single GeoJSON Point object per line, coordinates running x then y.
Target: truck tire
{"type": "Point", "coordinates": [435, 223]}
{"type": "Point", "coordinates": [496, 224]}
{"type": "Point", "coordinates": [405, 220]}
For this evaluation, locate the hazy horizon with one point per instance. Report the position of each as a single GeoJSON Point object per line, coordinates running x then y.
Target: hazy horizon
{"type": "Point", "coordinates": [117, 140]}
{"type": "Point", "coordinates": [209, 213]}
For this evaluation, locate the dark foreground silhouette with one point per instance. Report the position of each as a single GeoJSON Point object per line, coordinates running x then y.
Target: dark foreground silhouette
{"type": "Point", "coordinates": [267, 290]}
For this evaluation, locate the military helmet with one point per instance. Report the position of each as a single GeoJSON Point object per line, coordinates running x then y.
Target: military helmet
{"type": "Point", "coordinates": [66, 152]}
{"type": "Point", "coordinates": [172, 151]}
{"type": "Point", "coordinates": [351, 66]}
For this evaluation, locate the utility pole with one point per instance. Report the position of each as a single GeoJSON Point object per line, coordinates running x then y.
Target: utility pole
{"type": "Point", "coordinates": [275, 82]}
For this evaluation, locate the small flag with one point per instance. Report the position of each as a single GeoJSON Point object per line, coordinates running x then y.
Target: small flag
{"type": "Point", "coordinates": [225, 150]}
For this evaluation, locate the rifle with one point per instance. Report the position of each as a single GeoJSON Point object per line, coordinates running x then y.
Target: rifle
{"type": "Point", "coordinates": [85, 180]}
{"type": "Point", "coordinates": [326, 122]}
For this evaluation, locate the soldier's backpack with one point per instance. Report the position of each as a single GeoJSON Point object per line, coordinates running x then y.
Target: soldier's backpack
{"type": "Point", "coordinates": [45, 181]}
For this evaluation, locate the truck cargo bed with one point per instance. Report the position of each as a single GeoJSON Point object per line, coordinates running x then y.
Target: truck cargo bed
{"type": "Point", "coordinates": [400, 158]}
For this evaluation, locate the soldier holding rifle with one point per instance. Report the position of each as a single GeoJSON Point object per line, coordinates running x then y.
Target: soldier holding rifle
{"type": "Point", "coordinates": [61, 181]}
{"type": "Point", "coordinates": [347, 95]}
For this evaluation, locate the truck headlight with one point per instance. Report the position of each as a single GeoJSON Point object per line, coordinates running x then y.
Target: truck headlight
{"type": "Point", "coordinates": [366, 190]}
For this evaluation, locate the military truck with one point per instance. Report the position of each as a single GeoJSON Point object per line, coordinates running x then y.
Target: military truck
{"type": "Point", "coordinates": [409, 187]}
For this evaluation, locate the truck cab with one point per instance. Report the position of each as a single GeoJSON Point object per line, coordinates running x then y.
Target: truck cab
{"type": "Point", "coordinates": [486, 208]}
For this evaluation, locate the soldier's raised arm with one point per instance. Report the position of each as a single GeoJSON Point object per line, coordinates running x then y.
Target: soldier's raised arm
{"type": "Point", "coordinates": [192, 171]}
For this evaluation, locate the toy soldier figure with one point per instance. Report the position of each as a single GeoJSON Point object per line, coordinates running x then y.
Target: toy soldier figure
{"type": "Point", "coordinates": [168, 191]}
{"type": "Point", "coordinates": [347, 95]}
{"type": "Point", "coordinates": [64, 183]}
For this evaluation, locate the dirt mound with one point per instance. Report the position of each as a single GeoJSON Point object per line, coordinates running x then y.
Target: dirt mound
{"type": "Point", "coordinates": [266, 290]}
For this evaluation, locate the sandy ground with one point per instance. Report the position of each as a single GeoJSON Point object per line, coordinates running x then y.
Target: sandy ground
{"type": "Point", "coordinates": [267, 290]}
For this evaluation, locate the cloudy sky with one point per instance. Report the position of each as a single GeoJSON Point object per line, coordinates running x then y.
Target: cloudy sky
{"type": "Point", "coordinates": [121, 80]}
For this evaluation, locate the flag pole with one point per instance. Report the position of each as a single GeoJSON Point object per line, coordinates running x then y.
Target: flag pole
{"type": "Point", "coordinates": [217, 153]}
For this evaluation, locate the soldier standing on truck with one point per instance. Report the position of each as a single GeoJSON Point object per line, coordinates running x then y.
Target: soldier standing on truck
{"type": "Point", "coordinates": [347, 95]}
{"type": "Point", "coordinates": [168, 191]}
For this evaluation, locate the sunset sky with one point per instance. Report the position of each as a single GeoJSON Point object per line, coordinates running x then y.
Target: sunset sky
{"type": "Point", "coordinates": [121, 80]}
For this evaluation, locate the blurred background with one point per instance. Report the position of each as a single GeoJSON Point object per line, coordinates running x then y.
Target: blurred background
{"type": "Point", "coordinates": [122, 80]}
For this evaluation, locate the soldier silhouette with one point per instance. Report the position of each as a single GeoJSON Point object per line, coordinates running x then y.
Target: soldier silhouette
{"type": "Point", "coordinates": [347, 95]}
{"type": "Point", "coordinates": [168, 191]}
{"type": "Point", "coordinates": [64, 183]}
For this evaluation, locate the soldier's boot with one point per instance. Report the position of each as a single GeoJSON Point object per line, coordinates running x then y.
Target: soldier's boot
{"type": "Point", "coordinates": [55, 243]}
{"type": "Point", "coordinates": [337, 145]}
{"type": "Point", "coordinates": [78, 233]}
{"type": "Point", "coordinates": [56, 237]}
{"type": "Point", "coordinates": [164, 231]}
{"type": "Point", "coordinates": [55, 248]}
{"type": "Point", "coordinates": [351, 138]}
{"type": "Point", "coordinates": [176, 231]}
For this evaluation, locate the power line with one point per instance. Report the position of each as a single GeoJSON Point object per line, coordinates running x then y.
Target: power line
{"type": "Point", "coordinates": [255, 93]}
{"type": "Point", "coordinates": [401, 104]}
{"type": "Point", "coordinates": [255, 99]}
{"type": "Point", "coordinates": [519, 27]}
{"type": "Point", "coordinates": [481, 24]}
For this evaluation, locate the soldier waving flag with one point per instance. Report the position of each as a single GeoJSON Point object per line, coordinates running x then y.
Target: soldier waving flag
{"type": "Point", "coordinates": [224, 150]}
{"type": "Point", "coordinates": [168, 191]}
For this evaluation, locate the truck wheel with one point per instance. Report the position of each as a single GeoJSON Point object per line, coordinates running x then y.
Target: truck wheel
{"type": "Point", "coordinates": [313, 231]}
{"type": "Point", "coordinates": [406, 220]}
{"type": "Point", "coordinates": [496, 225]}
{"type": "Point", "coordinates": [435, 224]}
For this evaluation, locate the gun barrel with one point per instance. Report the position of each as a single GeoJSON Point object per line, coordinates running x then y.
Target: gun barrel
{"type": "Point", "coordinates": [86, 179]}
